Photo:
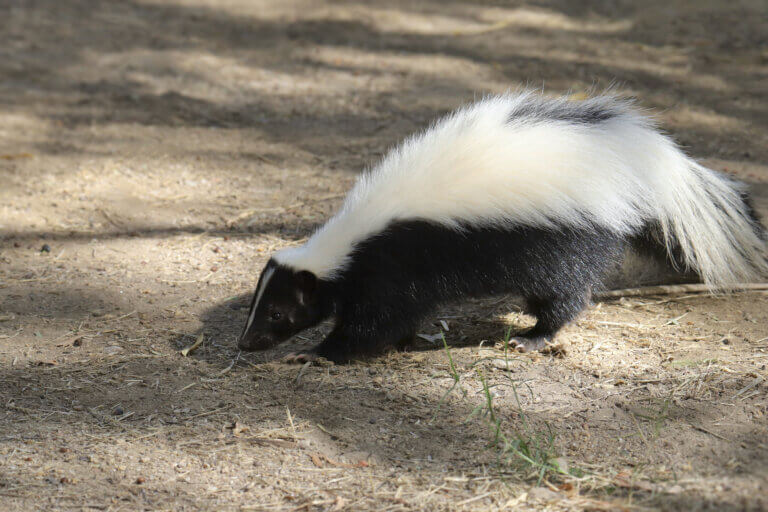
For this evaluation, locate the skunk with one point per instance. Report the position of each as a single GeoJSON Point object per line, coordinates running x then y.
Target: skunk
{"type": "Point", "coordinates": [515, 194]}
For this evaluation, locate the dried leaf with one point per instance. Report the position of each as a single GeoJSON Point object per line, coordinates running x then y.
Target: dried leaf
{"type": "Point", "coordinates": [16, 156]}
{"type": "Point", "coordinates": [432, 338]}
{"type": "Point", "coordinates": [188, 350]}
{"type": "Point", "coordinates": [339, 504]}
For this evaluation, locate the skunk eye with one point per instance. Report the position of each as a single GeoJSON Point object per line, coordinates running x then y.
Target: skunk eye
{"type": "Point", "coordinates": [276, 315]}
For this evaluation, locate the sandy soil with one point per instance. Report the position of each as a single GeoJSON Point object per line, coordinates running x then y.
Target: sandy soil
{"type": "Point", "coordinates": [160, 150]}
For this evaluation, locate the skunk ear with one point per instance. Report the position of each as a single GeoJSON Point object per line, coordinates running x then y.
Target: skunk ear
{"type": "Point", "coordinates": [307, 283]}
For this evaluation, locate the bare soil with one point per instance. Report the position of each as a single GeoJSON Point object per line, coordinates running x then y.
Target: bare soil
{"type": "Point", "coordinates": [153, 154]}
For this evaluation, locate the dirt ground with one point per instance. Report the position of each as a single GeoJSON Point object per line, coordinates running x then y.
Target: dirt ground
{"type": "Point", "coordinates": [153, 153]}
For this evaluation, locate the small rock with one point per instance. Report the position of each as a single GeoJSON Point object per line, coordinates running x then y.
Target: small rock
{"type": "Point", "coordinates": [118, 411]}
{"type": "Point", "coordinates": [361, 458]}
{"type": "Point", "coordinates": [45, 248]}
{"type": "Point", "coordinates": [544, 494]}
{"type": "Point", "coordinates": [503, 364]}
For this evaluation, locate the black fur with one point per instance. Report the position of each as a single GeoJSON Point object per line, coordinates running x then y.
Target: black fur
{"type": "Point", "coordinates": [649, 242]}
{"type": "Point", "coordinates": [573, 112]}
{"type": "Point", "coordinates": [752, 216]}
{"type": "Point", "coordinates": [399, 277]}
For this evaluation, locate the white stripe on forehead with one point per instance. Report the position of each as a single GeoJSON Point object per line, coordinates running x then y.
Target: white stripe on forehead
{"type": "Point", "coordinates": [263, 286]}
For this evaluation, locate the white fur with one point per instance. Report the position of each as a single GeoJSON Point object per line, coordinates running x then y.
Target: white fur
{"type": "Point", "coordinates": [263, 286]}
{"type": "Point", "coordinates": [482, 165]}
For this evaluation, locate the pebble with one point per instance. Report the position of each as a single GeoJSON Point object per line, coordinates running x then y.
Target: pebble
{"type": "Point", "coordinates": [544, 494]}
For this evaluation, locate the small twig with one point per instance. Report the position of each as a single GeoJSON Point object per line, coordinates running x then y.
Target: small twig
{"type": "Point", "coordinates": [187, 387]}
{"type": "Point", "coordinates": [124, 316]}
{"type": "Point", "coordinates": [109, 218]}
{"type": "Point", "coordinates": [290, 420]}
{"type": "Point", "coordinates": [675, 288]}
{"type": "Point", "coordinates": [303, 369]}
{"type": "Point", "coordinates": [470, 500]}
{"type": "Point", "coordinates": [749, 386]}
{"type": "Point", "coordinates": [675, 320]}
{"type": "Point", "coordinates": [209, 412]}
{"type": "Point", "coordinates": [706, 431]}
{"type": "Point", "coordinates": [231, 365]}
{"type": "Point", "coordinates": [274, 442]}
{"type": "Point", "coordinates": [8, 458]}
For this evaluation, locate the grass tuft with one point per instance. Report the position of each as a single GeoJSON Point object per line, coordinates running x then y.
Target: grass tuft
{"type": "Point", "coordinates": [520, 448]}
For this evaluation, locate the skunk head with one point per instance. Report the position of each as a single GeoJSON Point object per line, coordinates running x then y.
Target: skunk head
{"type": "Point", "coordinates": [286, 302]}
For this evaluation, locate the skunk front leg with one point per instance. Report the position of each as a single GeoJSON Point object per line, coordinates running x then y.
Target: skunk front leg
{"type": "Point", "coordinates": [348, 341]}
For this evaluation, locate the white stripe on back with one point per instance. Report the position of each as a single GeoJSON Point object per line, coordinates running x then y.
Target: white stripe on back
{"type": "Point", "coordinates": [525, 160]}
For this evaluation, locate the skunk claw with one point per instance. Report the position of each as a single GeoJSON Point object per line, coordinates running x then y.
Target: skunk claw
{"type": "Point", "coordinates": [299, 357]}
{"type": "Point", "coordinates": [522, 344]}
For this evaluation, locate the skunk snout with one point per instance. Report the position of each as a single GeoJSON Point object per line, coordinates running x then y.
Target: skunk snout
{"type": "Point", "coordinates": [243, 344]}
{"type": "Point", "coordinates": [249, 342]}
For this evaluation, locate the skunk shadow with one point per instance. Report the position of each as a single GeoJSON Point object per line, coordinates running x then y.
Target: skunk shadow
{"type": "Point", "coordinates": [468, 324]}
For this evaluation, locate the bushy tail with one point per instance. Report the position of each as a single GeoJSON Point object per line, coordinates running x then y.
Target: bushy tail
{"type": "Point", "coordinates": [706, 217]}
